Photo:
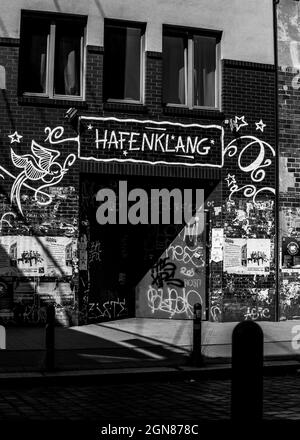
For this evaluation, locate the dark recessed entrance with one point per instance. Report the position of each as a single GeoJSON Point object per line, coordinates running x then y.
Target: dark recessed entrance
{"type": "Point", "coordinates": [153, 270]}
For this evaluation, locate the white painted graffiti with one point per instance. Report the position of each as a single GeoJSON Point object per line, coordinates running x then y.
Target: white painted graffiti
{"type": "Point", "coordinates": [216, 313]}
{"type": "Point", "coordinates": [40, 166]}
{"type": "Point", "coordinates": [260, 125]}
{"type": "Point", "coordinates": [193, 230]}
{"type": "Point", "coordinates": [256, 168]}
{"type": "Point", "coordinates": [187, 254]}
{"type": "Point", "coordinates": [250, 191]}
{"type": "Point", "coordinates": [237, 123]}
{"type": "Point", "coordinates": [187, 272]}
{"type": "Point", "coordinates": [109, 309]}
{"type": "Point", "coordinates": [196, 282]}
{"type": "Point", "coordinates": [255, 313]}
{"type": "Point", "coordinates": [4, 219]}
{"type": "Point", "coordinates": [147, 135]}
{"type": "Point", "coordinates": [172, 301]}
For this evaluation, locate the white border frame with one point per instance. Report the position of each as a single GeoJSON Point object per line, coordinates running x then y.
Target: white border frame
{"type": "Point", "coordinates": [161, 162]}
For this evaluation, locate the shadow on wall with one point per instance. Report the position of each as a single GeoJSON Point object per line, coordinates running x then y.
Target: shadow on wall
{"type": "Point", "coordinates": [26, 287]}
{"type": "Point", "coordinates": [35, 271]}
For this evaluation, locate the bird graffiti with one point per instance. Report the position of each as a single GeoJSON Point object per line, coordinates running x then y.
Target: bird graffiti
{"type": "Point", "coordinates": [41, 165]}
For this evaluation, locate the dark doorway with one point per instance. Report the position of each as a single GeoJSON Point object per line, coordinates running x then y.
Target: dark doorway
{"type": "Point", "coordinates": [144, 270]}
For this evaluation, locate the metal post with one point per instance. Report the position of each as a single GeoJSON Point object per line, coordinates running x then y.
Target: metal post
{"type": "Point", "coordinates": [247, 372]}
{"type": "Point", "coordinates": [50, 338]}
{"type": "Point", "coordinates": [196, 355]}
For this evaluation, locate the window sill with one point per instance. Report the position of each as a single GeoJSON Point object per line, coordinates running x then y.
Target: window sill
{"type": "Point", "coordinates": [125, 107]}
{"type": "Point", "coordinates": [195, 112]}
{"type": "Point", "coordinates": [50, 102]}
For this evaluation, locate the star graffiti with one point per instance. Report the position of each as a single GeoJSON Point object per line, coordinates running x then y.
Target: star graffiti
{"type": "Point", "coordinates": [90, 127]}
{"type": "Point", "coordinates": [125, 152]}
{"type": "Point", "coordinates": [260, 125]}
{"type": "Point", "coordinates": [239, 122]}
{"type": "Point", "coordinates": [15, 137]}
{"type": "Point", "coordinates": [230, 179]}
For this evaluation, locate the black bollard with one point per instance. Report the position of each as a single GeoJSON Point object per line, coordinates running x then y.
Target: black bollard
{"type": "Point", "coordinates": [196, 355]}
{"type": "Point", "coordinates": [50, 338]}
{"type": "Point", "coordinates": [247, 372]}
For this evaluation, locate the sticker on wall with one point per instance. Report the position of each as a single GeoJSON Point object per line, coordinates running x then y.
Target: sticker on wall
{"type": "Point", "coordinates": [291, 252]}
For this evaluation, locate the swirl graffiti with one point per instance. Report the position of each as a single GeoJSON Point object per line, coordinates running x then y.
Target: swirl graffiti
{"type": "Point", "coordinates": [256, 168]}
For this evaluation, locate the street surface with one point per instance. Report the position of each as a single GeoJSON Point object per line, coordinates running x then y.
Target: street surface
{"type": "Point", "coordinates": [174, 401]}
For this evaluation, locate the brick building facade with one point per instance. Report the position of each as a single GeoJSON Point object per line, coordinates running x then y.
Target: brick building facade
{"type": "Point", "coordinates": [289, 157]}
{"type": "Point", "coordinates": [61, 148]}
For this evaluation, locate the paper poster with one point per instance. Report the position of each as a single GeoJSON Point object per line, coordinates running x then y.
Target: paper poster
{"type": "Point", "coordinates": [235, 255]}
{"type": "Point", "coordinates": [247, 256]}
{"type": "Point", "coordinates": [216, 245]}
{"type": "Point", "coordinates": [258, 255]}
{"type": "Point", "coordinates": [25, 256]}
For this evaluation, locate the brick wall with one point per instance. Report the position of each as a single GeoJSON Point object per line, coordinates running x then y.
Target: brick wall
{"type": "Point", "coordinates": [235, 204]}
{"type": "Point", "coordinates": [289, 208]}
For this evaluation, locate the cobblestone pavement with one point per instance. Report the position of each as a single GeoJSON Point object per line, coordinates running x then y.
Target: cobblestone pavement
{"type": "Point", "coordinates": [193, 400]}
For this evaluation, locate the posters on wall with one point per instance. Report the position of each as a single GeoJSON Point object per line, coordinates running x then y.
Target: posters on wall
{"type": "Point", "coordinates": [27, 256]}
{"type": "Point", "coordinates": [247, 256]}
{"type": "Point", "coordinates": [217, 236]}
{"type": "Point", "coordinates": [48, 291]}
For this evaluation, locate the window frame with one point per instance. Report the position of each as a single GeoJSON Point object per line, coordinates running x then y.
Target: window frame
{"type": "Point", "coordinates": [129, 24]}
{"type": "Point", "coordinates": [52, 19]}
{"type": "Point", "coordinates": [189, 34]}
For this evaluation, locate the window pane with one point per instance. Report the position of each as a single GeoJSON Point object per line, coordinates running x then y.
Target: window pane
{"type": "Point", "coordinates": [34, 58]}
{"type": "Point", "coordinates": [204, 71]}
{"type": "Point", "coordinates": [174, 76]}
{"type": "Point", "coordinates": [122, 63]}
{"type": "Point", "coordinates": [67, 60]}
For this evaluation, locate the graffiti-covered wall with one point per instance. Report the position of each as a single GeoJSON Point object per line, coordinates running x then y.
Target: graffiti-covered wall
{"type": "Point", "coordinates": [39, 205]}
{"type": "Point", "coordinates": [288, 17]}
{"type": "Point", "coordinates": [52, 249]}
{"type": "Point", "coordinates": [248, 279]}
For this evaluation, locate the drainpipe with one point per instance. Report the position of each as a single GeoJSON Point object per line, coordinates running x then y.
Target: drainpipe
{"type": "Point", "coordinates": [276, 238]}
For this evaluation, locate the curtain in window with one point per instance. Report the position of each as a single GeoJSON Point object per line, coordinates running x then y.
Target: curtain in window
{"type": "Point", "coordinates": [122, 63]}
{"type": "Point", "coordinates": [204, 73]}
{"type": "Point", "coordinates": [132, 68]}
{"type": "Point", "coordinates": [35, 63]}
{"type": "Point", "coordinates": [174, 78]}
{"type": "Point", "coordinates": [67, 65]}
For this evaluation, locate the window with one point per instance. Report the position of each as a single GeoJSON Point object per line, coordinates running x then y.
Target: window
{"type": "Point", "coordinates": [191, 68]}
{"type": "Point", "coordinates": [51, 61]}
{"type": "Point", "coordinates": [123, 62]}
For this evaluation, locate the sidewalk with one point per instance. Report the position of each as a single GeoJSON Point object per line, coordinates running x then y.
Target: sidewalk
{"type": "Point", "coordinates": [140, 346]}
